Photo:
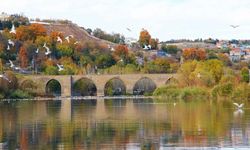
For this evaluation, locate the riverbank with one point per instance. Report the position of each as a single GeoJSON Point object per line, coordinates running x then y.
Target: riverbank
{"type": "Point", "coordinates": [80, 98]}
{"type": "Point", "coordinates": [228, 90]}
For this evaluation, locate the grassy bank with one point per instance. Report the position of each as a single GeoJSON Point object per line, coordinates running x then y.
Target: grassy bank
{"type": "Point", "coordinates": [187, 93]}
{"type": "Point", "coordinates": [221, 91]}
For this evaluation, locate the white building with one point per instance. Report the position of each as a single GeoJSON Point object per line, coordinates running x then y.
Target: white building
{"type": "Point", "coordinates": [235, 55]}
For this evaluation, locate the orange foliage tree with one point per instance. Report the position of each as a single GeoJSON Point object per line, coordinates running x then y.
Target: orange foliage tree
{"type": "Point", "coordinates": [55, 34]}
{"type": "Point", "coordinates": [30, 32]}
{"type": "Point", "coordinates": [121, 52]}
{"type": "Point", "coordinates": [144, 38]}
{"type": "Point", "coordinates": [194, 53]}
{"type": "Point", "coordinates": [23, 57]}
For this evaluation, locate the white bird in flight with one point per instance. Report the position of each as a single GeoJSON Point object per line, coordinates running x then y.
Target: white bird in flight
{"type": "Point", "coordinates": [11, 64]}
{"type": "Point", "coordinates": [37, 51]}
{"type": "Point", "coordinates": [8, 47]}
{"type": "Point", "coordinates": [129, 29]}
{"type": "Point", "coordinates": [47, 49]}
{"type": "Point", "coordinates": [60, 67]}
{"type": "Point", "coordinates": [234, 26]}
{"type": "Point", "coordinates": [239, 106]}
{"type": "Point", "coordinates": [11, 42]}
{"type": "Point", "coordinates": [5, 77]}
{"type": "Point", "coordinates": [13, 29]}
{"type": "Point", "coordinates": [68, 38]}
{"type": "Point", "coordinates": [59, 39]}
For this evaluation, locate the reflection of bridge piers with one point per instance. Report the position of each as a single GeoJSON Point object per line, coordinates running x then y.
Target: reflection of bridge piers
{"type": "Point", "coordinates": [131, 82]}
{"type": "Point", "coordinates": [66, 110]}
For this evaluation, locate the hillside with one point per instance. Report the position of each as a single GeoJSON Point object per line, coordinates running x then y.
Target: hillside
{"type": "Point", "coordinates": [72, 29]}
{"type": "Point", "coordinates": [183, 45]}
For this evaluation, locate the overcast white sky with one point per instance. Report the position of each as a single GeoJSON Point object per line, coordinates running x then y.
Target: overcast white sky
{"type": "Point", "coordinates": [165, 19]}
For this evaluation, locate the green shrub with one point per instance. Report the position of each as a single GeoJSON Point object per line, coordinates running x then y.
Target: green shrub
{"type": "Point", "coordinates": [223, 90]}
{"type": "Point", "coordinates": [190, 93]}
{"type": "Point", "coordinates": [19, 94]}
{"type": "Point", "coordinates": [2, 96]}
{"type": "Point", "coordinates": [242, 91]}
{"type": "Point", "coordinates": [168, 91]}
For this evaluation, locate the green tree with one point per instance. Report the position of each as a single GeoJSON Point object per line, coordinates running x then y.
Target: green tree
{"type": "Point", "coordinates": [51, 70]}
{"type": "Point", "coordinates": [64, 50]}
{"type": "Point", "coordinates": [245, 74]}
{"type": "Point", "coordinates": [104, 61]}
{"type": "Point", "coordinates": [170, 49]}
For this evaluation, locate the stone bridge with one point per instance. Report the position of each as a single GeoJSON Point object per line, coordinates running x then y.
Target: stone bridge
{"type": "Point", "coordinates": [67, 81]}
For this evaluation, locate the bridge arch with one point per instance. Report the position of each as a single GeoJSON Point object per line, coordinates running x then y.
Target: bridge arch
{"type": "Point", "coordinates": [53, 88]}
{"type": "Point", "coordinates": [84, 87]}
{"type": "Point", "coordinates": [172, 80]}
{"type": "Point", "coordinates": [115, 86]}
{"type": "Point", "coordinates": [144, 86]}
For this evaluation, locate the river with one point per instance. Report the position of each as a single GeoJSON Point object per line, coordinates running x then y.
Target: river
{"type": "Point", "coordinates": [123, 124]}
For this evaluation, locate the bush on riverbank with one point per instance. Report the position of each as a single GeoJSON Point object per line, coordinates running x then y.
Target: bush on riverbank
{"type": "Point", "coordinates": [19, 94]}
{"type": "Point", "coordinates": [187, 93]}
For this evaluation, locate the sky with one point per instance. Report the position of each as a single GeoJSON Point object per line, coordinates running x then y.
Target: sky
{"type": "Point", "coordinates": [164, 19]}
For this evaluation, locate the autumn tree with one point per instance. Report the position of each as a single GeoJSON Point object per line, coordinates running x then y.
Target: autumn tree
{"type": "Point", "coordinates": [144, 38]}
{"type": "Point", "coordinates": [55, 34]}
{"type": "Point", "coordinates": [23, 57]}
{"type": "Point", "coordinates": [154, 43]}
{"type": "Point", "coordinates": [37, 30]}
{"type": "Point", "coordinates": [225, 59]}
{"type": "Point", "coordinates": [194, 54]}
{"type": "Point", "coordinates": [30, 32]}
{"type": "Point", "coordinates": [121, 53]}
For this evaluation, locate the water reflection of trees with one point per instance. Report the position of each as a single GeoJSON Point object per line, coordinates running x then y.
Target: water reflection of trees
{"type": "Point", "coordinates": [189, 124]}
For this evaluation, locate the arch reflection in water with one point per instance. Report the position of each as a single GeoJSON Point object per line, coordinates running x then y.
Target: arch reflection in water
{"type": "Point", "coordinates": [53, 107]}
{"type": "Point", "coordinates": [84, 87]}
{"type": "Point", "coordinates": [144, 86]}
{"type": "Point", "coordinates": [53, 88]}
{"type": "Point", "coordinates": [114, 87]}
{"type": "Point", "coordinates": [115, 106]}
{"type": "Point", "coordinates": [84, 109]}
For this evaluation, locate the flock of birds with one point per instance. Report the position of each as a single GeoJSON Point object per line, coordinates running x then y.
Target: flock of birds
{"type": "Point", "coordinates": [61, 67]}
{"type": "Point", "coordinates": [47, 52]}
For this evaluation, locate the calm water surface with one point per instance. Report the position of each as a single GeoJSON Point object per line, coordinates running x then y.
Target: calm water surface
{"type": "Point", "coordinates": [122, 124]}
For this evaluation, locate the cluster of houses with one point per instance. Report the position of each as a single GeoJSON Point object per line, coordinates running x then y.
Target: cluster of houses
{"type": "Point", "coordinates": [239, 51]}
